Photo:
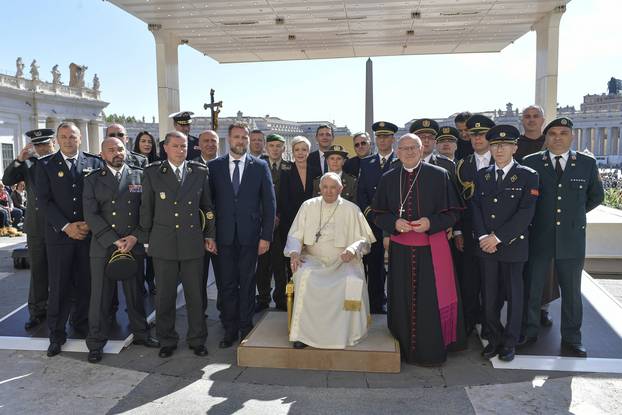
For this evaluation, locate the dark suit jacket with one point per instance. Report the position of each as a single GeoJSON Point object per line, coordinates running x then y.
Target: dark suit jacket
{"type": "Point", "coordinates": [249, 214]}
{"type": "Point", "coordinates": [352, 166]}
{"type": "Point", "coordinates": [60, 195]}
{"type": "Point", "coordinates": [313, 163]}
{"type": "Point", "coordinates": [34, 223]}
{"type": "Point", "coordinates": [170, 211]}
{"type": "Point", "coordinates": [291, 186]}
{"type": "Point", "coordinates": [369, 177]}
{"type": "Point", "coordinates": [506, 211]}
{"type": "Point", "coordinates": [112, 208]}
{"type": "Point", "coordinates": [558, 229]}
{"type": "Point", "coordinates": [135, 159]}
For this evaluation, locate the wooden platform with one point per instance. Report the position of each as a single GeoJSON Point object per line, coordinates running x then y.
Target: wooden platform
{"type": "Point", "coordinates": [268, 346]}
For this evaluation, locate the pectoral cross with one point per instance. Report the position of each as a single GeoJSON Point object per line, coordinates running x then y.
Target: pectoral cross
{"type": "Point", "coordinates": [317, 236]}
{"type": "Point", "coordinates": [401, 211]}
{"type": "Point", "coordinates": [214, 109]}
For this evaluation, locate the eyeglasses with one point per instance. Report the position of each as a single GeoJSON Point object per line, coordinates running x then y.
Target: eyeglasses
{"type": "Point", "coordinates": [117, 135]}
{"type": "Point", "coordinates": [361, 144]}
{"type": "Point", "coordinates": [408, 148]}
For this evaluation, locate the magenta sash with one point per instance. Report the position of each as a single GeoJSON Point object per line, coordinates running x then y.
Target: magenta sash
{"type": "Point", "coordinates": [443, 274]}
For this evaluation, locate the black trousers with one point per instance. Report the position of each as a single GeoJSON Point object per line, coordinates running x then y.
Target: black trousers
{"type": "Point", "coordinates": [206, 261]}
{"type": "Point", "coordinates": [268, 264]}
{"type": "Point", "coordinates": [69, 279]}
{"type": "Point", "coordinates": [237, 264]}
{"type": "Point", "coordinates": [102, 290]}
{"type": "Point", "coordinates": [510, 274]}
{"type": "Point", "coordinates": [569, 276]}
{"type": "Point", "coordinates": [38, 291]}
{"type": "Point", "coordinates": [469, 274]}
{"type": "Point", "coordinates": [167, 273]}
{"type": "Point", "coordinates": [376, 272]}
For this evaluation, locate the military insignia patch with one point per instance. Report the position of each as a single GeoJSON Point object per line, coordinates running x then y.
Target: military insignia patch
{"type": "Point", "coordinates": [513, 178]}
{"type": "Point", "coordinates": [285, 166]}
{"type": "Point", "coordinates": [163, 169]}
{"type": "Point", "coordinates": [534, 192]}
{"type": "Point", "coordinates": [87, 170]}
{"type": "Point", "coordinates": [487, 176]}
{"type": "Point", "coordinates": [381, 124]}
{"type": "Point", "coordinates": [209, 215]}
{"type": "Point", "coordinates": [189, 170]}
{"type": "Point", "coordinates": [61, 174]}
{"type": "Point", "coordinates": [477, 125]}
{"type": "Point", "coordinates": [103, 173]}
{"type": "Point", "coordinates": [135, 188]}
{"type": "Point", "coordinates": [564, 121]}
{"type": "Point", "coordinates": [445, 130]}
{"type": "Point", "coordinates": [501, 134]}
{"type": "Point", "coordinates": [162, 195]}
{"type": "Point", "coordinates": [426, 123]}
{"type": "Point", "coordinates": [38, 133]}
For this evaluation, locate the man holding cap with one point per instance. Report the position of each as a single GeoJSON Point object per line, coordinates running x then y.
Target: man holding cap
{"type": "Point", "coordinates": [570, 186]}
{"type": "Point", "coordinates": [273, 262]}
{"type": "Point", "coordinates": [23, 169]}
{"type": "Point", "coordinates": [503, 206]}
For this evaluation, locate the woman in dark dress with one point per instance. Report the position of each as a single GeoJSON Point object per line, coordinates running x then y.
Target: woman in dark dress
{"type": "Point", "coordinates": [145, 144]}
{"type": "Point", "coordinates": [296, 186]}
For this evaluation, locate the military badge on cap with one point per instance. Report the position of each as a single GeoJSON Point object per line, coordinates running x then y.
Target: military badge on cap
{"type": "Point", "coordinates": [424, 125]}
{"type": "Point", "coordinates": [40, 136]}
{"type": "Point", "coordinates": [448, 134]}
{"type": "Point", "coordinates": [478, 123]}
{"type": "Point", "coordinates": [384, 128]}
{"type": "Point", "coordinates": [558, 122]}
{"type": "Point", "coordinates": [336, 149]}
{"type": "Point", "coordinates": [502, 134]}
{"type": "Point", "coordinates": [182, 117]}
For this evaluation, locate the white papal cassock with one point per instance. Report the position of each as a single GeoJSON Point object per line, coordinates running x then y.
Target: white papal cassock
{"type": "Point", "coordinates": [331, 304]}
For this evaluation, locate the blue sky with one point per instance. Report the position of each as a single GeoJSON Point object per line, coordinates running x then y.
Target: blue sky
{"type": "Point", "coordinates": [121, 50]}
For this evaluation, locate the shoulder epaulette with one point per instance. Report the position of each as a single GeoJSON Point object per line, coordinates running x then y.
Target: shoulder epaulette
{"type": "Point", "coordinates": [154, 164]}
{"type": "Point", "coordinates": [93, 171]}
{"type": "Point", "coordinates": [91, 154]}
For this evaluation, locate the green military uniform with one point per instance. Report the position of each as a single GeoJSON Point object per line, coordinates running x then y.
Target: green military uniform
{"type": "Point", "coordinates": [273, 262]}
{"type": "Point", "coordinates": [111, 209]}
{"type": "Point", "coordinates": [178, 216]}
{"type": "Point", "coordinates": [557, 236]}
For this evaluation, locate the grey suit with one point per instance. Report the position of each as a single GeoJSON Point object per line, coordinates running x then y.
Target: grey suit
{"type": "Point", "coordinates": [170, 213]}
{"type": "Point", "coordinates": [111, 209]}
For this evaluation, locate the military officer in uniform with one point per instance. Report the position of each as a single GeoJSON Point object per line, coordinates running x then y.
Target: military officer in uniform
{"type": "Point", "coordinates": [183, 123]}
{"type": "Point", "coordinates": [23, 169]}
{"type": "Point", "coordinates": [469, 271]}
{"type": "Point", "coordinates": [570, 186]}
{"type": "Point", "coordinates": [131, 157]}
{"type": "Point", "coordinates": [427, 130]}
{"type": "Point", "coordinates": [176, 211]}
{"type": "Point", "coordinates": [362, 148]}
{"type": "Point", "coordinates": [503, 206]}
{"type": "Point", "coordinates": [446, 142]}
{"type": "Point", "coordinates": [111, 201]}
{"type": "Point", "coordinates": [60, 180]}
{"type": "Point", "coordinates": [273, 261]}
{"type": "Point", "coordinates": [372, 168]}
{"type": "Point", "coordinates": [336, 156]}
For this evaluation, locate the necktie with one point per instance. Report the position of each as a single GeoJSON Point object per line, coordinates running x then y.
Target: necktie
{"type": "Point", "coordinates": [383, 160]}
{"type": "Point", "coordinates": [499, 179]}
{"type": "Point", "coordinates": [324, 165]}
{"type": "Point", "coordinates": [118, 176]}
{"type": "Point", "coordinates": [273, 169]}
{"type": "Point", "coordinates": [178, 174]}
{"type": "Point", "coordinates": [558, 167]}
{"type": "Point", "coordinates": [235, 181]}
{"type": "Point", "coordinates": [73, 171]}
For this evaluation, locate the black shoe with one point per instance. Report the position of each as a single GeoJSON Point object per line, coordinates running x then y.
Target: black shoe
{"type": "Point", "coordinates": [244, 333]}
{"type": "Point", "coordinates": [167, 351]}
{"type": "Point", "coordinates": [299, 345]}
{"type": "Point", "coordinates": [506, 354]}
{"type": "Point", "coordinates": [526, 341]}
{"type": "Point", "coordinates": [95, 356]}
{"type": "Point", "coordinates": [545, 319]}
{"type": "Point", "coordinates": [53, 349]}
{"type": "Point", "coordinates": [199, 350]}
{"type": "Point", "coordinates": [147, 342]}
{"type": "Point", "coordinates": [573, 349]}
{"type": "Point", "coordinates": [490, 351]}
{"type": "Point", "coordinates": [227, 341]}
{"type": "Point", "coordinates": [33, 322]}
{"type": "Point", "coordinates": [259, 307]}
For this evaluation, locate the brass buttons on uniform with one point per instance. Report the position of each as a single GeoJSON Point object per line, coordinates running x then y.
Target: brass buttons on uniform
{"type": "Point", "coordinates": [176, 214]}
{"type": "Point", "coordinates": [494, 200]}
{"type": "Point", "coordinates": [559, 198]}
{"type": "Point", "coordinates": [113, 225]}
{"type": "Point", "coordinates": [559, 210]}
{"type": "Point", "coordinates": [174, 203]}
{"type": "Point", "coordinates": [522, 237]}
{"type": "Point", "coordinates": [493, 216]}
{"type": "Point", "coordinates": [114, 213]}
{"type": "Point", "coordinates": [176, 226]}
{"type": "Point", "coordinates": [113, 202]}
{"type": "Point", "coordinates": [559, 185]}
{"type": "Point", "coordinates": [190, 202]}
{"type": "Point", "coordinates": [558, 223]}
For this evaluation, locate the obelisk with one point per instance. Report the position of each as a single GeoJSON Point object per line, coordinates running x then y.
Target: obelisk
{"type": "Point", "coordinates": [369, 96]}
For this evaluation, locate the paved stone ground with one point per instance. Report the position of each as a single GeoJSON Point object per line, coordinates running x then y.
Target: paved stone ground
{"type": "Point", "coordinates": [138, 381]}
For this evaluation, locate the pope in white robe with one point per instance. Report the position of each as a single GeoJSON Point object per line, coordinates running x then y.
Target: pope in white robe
{"type": "Point", "coordinates": [326, 244]}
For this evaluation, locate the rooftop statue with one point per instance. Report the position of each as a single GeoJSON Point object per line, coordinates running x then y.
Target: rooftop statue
{"type": "Point", "coordinates": [19, 64]}
{"type": "Point", "coordinates": [614, 85]}
{"type": "Point", "coordinates": [56, 75]}
{"type": "Point", "coordinates": [96, 84]}
{"type": "Point", "coordinates": [76, 75]}
{"type": "Point", "coordinates": [34, 70]}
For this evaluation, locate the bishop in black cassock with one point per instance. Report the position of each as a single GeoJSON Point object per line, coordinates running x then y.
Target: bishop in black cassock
{"type": "Point", "coordinates": [416, 204]}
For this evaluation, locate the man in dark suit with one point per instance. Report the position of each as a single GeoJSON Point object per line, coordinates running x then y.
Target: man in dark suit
{"type": "Point", "coordinates": [273, 261]}
{"type": "Point", "coordinates": [503, 207]}
{"type": "Point", "coordinates": [60, 180]}
{"type": "Point", "coordinates": [245, 212]}
{"type": "Point", "coordinates": [464, 147]}
{"type": "Point", "coordinates": [176, 211]}
{"type": "Point", "coordinates": [317, 162]}
{"type": "Point", "coordinates": [24, 169]}
{"type": "Point", "coordinates": [469, 269]}
{"type": "Point", "coordinates": [570, 186]}
{"type": "Point", "coordinates": [132, 158]}
{"type": "Point", "coordinates": [111, 200]}
{"type": "Point", "coordinates": [362, 148]}
{"type": "Point", "coordinates": [182, 122]}
{"type": "Point", "coordinates": [372, 168]}
{"type": "Point", "coordinates": [208, 143]}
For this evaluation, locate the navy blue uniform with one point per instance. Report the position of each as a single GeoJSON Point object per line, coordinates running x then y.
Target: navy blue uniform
{"type": "Point", "coordinates": [369, 177]}
{"type": "Point", "coordinates": [504, 209]}
{"type": "Point", "coordinates": [59, 191]}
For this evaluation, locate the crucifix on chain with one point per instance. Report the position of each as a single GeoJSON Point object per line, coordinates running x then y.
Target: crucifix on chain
{"type": "Point", "coordinates": [214, 109]}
